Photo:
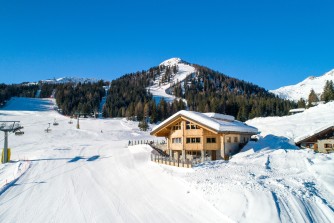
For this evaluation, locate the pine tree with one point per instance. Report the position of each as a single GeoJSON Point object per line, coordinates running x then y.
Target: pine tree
{"type": "Point", "coordinates": [328, 93]}
{"type": "Point", "coordinates": [143, 126]}
{"type": "Point", "coordinates": [301, 103]}
{"type": "Point", "coordinates": [312, 98]}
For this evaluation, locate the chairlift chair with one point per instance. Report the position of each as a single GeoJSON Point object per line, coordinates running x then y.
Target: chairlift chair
{"type": "Point", "coordinates": [55, 122]}
{"type": "Point", "coordinates": [19, 132]}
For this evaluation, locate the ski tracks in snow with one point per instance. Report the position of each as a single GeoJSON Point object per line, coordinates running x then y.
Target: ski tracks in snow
{"type": "Point", "coordinates": [284, 180]}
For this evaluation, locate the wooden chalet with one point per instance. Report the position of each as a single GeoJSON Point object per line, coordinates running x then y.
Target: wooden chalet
{"type": "Point", "coordinates": [321, 140]}
{"type": "Point", "coordinates": [191, 135]}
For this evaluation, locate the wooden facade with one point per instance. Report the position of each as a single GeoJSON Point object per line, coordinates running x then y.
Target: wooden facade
{"type": "Point", "coordinates": [189, 139]}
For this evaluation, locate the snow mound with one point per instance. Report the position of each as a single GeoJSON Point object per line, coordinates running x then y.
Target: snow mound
{"type": "Point", "coordinates": [303, 89]}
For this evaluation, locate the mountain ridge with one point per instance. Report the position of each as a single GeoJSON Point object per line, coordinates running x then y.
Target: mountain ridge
{"type": "Point", "coordinates": [302, 89]}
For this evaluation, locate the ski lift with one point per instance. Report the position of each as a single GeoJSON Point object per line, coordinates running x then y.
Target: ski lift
{"type": "Point", "coordinates": [55, 122]}
{"type": "Point", "coordinates": [19, 132]}
{"type": "Point", "coordinates": [48, 129]}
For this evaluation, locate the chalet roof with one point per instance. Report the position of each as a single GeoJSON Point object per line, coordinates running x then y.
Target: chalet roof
{"type": "Point", "coordinates": [214, 121]}
{"type": "Point", "coordinates": [297, 110]}
{"type": "Point", "coordinates": [314, 132]}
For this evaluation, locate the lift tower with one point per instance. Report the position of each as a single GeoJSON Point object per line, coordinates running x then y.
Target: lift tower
{"type": "Point", "coordinates": [8, 126]}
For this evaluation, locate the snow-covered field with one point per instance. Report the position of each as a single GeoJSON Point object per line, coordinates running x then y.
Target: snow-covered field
{"type": "Point", "coordinates": [85, 175]}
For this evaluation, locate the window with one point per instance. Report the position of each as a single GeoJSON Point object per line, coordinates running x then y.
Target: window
{"type": "Point", "coordinates": [190, 125]}
{"type": "Point", "coordinates": [210, 140]}
{"type": "Point", "coordinates": [235, 139]}
{"type": "Point", "coordinates": [176, 140]}
{"type": "Point", "coordinates": [193, 140]}
{"type": "Point", "coordinates": [177, 126]}
{"type": "Point", "coordinates": [228, 139]}
{"type": "Point", "coordinates": [327, 145]}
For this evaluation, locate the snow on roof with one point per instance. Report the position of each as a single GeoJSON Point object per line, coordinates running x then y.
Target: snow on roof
{"type": "Point", "coordinates": [311, 133]}
{"type": "Point", "coordinates": [297, 110]}
{"type": "Point", "coordinates": [217, 122]}
{"type": "Point", "coordinates": [219, 116]}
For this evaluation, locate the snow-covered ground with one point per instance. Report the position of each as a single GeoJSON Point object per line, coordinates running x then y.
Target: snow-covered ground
{"type": "Point", "coordinates": [297, 125]}
{"type": "Point", "coordinates": [85, 175]}
{"type": "Point", "coordinates": [303, 89]}
{"type": "Point", "coordinates": [183, 71]}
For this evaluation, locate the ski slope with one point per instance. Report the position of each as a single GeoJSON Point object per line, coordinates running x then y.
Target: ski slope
{"type": "Point", "coordinates": [85, 175]}
{"type": "Point", "coordinates": [183, 71]}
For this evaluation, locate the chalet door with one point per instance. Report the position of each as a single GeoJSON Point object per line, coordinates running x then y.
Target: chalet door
{"type": "Point", "coordinates": [213, 154]}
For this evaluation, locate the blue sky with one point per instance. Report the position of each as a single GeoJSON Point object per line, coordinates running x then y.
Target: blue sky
{"type": "Point", "coordinates": [269, 43]}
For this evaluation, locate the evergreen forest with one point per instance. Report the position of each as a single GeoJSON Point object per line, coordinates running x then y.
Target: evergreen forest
{"type": "Point", "coordinates": [204, 91]}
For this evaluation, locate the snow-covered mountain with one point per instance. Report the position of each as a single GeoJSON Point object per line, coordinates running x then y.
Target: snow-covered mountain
{"type": "Point", "coordinates": [303, 89]}
{"type": "Point", "coordinates": [64, 80]}
{"type": "Point", "coordinates": [163, 89]}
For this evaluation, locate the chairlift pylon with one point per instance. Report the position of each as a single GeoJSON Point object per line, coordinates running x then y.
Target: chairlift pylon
{"type": "Point", "coordinates": [48, 129]}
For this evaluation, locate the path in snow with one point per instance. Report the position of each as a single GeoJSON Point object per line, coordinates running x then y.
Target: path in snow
{"type": "Point", "coordinates": [103, 101]}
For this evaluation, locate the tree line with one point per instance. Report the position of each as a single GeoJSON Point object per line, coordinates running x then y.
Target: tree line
{"type": "Point", "coordinates": [17, 90]}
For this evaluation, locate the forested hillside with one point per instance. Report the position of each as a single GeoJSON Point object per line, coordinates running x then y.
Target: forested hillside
{"type": "Point", "coordinates": [128, 97]}
{"type": "Point", "coordinates": [70, 97]}
{"type": "Point", "coordinates": [81, 98]}
{"type": "Point", "coordinates": [204, 91]}
{"type": "Point", "coordinates": [16, 90]}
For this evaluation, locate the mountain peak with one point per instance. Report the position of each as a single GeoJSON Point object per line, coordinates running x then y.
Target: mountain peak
{"type": "Point", "coordinates": [171, 61]}
{"type": "Point", "coordinates": [303, 89]}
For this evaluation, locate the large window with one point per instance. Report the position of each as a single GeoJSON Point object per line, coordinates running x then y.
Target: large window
{"type": "Point", "coordinates": [210, 140]}
{"type": "Point", "coordinates": [235, 139]}
{"type": "Point", "coordinates": [176, 140]}
{"type": "Point", "coordinates": [177, 126]}
{"type": "Point", "coordinates": [193, 140]}
{"type": "Point", "coordinates": [190, 125]}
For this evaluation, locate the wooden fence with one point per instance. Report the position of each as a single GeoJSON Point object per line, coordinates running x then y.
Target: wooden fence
{"type": "Point", "coordinates": [146, 141]}
{"type": "Point", "coordinates": [177, 162]}
{"type": "Point", "coordinates": [171, 161]}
